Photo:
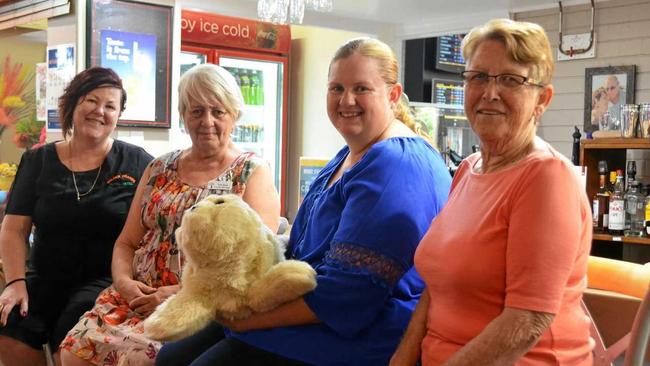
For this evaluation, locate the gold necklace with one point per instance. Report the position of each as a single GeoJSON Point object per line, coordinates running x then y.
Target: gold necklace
{"type": "Point", "coordinates": [74, 180]}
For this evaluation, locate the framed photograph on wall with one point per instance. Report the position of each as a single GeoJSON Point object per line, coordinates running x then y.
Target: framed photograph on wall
{"type": "Point", "coordinates": [606, 90]}
{"type": "Point", "coordinates": [135, 40]}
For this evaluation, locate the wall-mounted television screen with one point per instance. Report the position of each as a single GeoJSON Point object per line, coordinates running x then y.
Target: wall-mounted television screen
{"type": "Point", "coordinates": [449, 57]}
{"type": "Point", "coordinates": [448, 92]}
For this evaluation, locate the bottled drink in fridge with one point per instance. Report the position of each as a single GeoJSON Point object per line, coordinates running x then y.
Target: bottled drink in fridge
{"type": "Point", "coordinates": [617, 207]}
{"type": "Point", "coordinates": [255, 88]}
{"type": "Point", "coordinates": [260, 81]}
{"type": "Point", "coordinates": [600, 201]}
{"type": "Point", "coordinates": [245, 86]}
{"type": "Point", "coordinates": [635, 210]}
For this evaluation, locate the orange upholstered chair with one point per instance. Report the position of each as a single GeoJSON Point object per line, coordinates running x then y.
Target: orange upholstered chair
{"type": "Point", "coordinates": [617, 302]}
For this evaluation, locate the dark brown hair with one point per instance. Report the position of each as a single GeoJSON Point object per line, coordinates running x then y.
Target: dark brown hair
{"type": "Point", "coordinates": [82, 84]}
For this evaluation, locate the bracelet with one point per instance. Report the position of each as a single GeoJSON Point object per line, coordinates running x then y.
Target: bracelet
{"type": "Point", "coordinates": [14, 281]}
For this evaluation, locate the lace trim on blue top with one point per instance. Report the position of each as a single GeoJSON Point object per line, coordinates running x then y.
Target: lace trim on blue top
{"type": "Point", "coordinates": [379, 266]}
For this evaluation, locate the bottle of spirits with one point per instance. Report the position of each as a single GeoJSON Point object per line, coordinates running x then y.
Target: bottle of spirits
{"type": "Point", "coordinates": [646, 203]}
{"type": "Point", "coordinates": [600, 201]}
{"type": "Point", "coordinates": [631, 173]}
{"type": "Point", "coordinates": [612, 182]}
{"type": "Point", "coordinates": [635, 210]}
{"type": "Point", "coordinates": [617, 207]}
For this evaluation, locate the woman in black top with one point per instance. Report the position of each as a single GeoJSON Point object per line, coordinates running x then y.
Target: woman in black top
{"type": "Point", "coordinates": [76, 193]}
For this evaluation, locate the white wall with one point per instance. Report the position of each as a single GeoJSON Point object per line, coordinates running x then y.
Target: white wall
{"type": "Point", "coordinates": [71, 28]}
{"type": "Point", "coordinates": [622, 38]}
{"type": "Point", "coordinates": [310, 132]}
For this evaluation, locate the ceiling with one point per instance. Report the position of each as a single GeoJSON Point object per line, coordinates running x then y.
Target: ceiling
{"type": "Point", "coordinates": [404, 11]}
{"type": "Point", "coordinates": [411, 11]}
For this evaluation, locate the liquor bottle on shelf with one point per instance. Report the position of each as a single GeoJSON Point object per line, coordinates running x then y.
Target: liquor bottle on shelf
{"type": "Point", "coordinates": [617, 207]}
{"type": "Point", "coordinates": [635, 211]}
{"type": "Point", "coordinates": [631, 172]}
{"type": "Point", "coordinates": [612, 182]}
{"type": "Point", "coordinates": [600, 201]}
{"type": "Point", "coordinates": [646, 204]}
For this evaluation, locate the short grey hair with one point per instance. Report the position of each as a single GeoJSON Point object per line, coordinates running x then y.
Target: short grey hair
{"type": "Point", "coordinates": [203, 81]}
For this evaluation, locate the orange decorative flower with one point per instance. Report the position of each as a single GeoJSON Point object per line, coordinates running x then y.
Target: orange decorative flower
{"type": "Point", "coordinates": [17, 101]}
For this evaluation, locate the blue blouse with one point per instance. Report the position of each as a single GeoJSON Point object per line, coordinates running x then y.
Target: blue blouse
{"type": "Point", "coordinates": [360, 236]}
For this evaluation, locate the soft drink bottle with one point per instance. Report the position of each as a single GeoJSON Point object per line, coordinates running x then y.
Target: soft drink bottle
{"type": "Point", "coordinates": [260, 82]}
{"type": "Point", "coordinates": [255, 88]}
{"type": "Point", "coordinates": [245, 86]}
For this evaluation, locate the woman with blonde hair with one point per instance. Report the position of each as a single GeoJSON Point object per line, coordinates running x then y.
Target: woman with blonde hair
{"type": "Point", "coordinates": [358, 227]}
{"type": "Point", "coordinates": [505, 261]}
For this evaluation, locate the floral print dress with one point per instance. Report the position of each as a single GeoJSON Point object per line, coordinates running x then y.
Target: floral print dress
{"type": "Point", "coordinates": [110, 333]}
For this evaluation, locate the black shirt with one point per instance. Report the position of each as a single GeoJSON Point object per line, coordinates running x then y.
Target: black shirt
{"type": "Point", "coordinates": [73, 239]}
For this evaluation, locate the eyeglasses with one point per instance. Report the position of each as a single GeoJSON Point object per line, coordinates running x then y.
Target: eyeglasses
{"type": "Point", "coordinates": [507, 81]}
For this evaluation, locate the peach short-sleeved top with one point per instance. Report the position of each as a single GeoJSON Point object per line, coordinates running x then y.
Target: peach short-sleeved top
{"type": "Point", "coordinates": [517, 238]}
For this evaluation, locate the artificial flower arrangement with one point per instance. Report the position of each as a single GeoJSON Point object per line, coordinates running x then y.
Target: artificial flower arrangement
{"type": "Point", "coordinates": [17, 109]}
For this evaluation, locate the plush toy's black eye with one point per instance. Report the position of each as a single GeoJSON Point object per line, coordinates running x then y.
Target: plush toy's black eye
{"type": "Point", "coordinates": [219, 201]}
{"type": "Point", "coordinates": [192, 208]}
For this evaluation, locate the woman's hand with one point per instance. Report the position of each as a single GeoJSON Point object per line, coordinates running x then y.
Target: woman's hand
{"type": "Point", "coordinates": [408, 352]}
{"type": "Point", "coordinates": [131, 289]}
{"type": "Point", "coordinates": [253, 322]}
{"type": "Point", "coordinates": [146, 304]}
{"type": "Point", "coordinates": [505, 339]}
{"type": "Point", "coordinates": [289, 314]}
{"type": "Point", "coordinates": [14, 295]}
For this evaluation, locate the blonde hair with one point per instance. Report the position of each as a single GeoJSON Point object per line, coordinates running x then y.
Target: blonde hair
{"type": "Point", "coordinates": [385, 57]}
{"type": "Point", "coordinates": [204, 81]}
{"type": "Point", "coordinates": [526, 43]}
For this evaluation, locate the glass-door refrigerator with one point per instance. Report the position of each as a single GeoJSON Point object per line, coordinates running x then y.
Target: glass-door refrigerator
{"type": "Point", "coordinates": [257, 55]}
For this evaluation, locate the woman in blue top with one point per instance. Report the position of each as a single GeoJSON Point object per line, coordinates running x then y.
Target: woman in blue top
{"type": "Point", "coordinates": [358, 227]}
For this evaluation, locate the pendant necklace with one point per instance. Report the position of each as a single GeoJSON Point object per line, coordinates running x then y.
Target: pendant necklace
{"type": "Point", "coordinates": [74, 180]}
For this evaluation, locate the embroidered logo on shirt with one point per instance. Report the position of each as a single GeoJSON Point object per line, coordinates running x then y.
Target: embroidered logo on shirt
{"type": "Point", "coordinates": [121, 179]}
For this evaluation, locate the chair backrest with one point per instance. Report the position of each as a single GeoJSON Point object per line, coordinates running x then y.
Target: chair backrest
{"type": "Point", "coordinates": [640, 335]}
{"type": "Point", "coordinates": [628, 279]}
{"type": "Point", "coordinates": [605, 356]}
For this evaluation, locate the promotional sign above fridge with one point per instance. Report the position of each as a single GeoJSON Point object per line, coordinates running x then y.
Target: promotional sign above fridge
{"type": "Point", "coordinates": [231, 32]}
{"type": "Point", "coordinates": [257, 55]}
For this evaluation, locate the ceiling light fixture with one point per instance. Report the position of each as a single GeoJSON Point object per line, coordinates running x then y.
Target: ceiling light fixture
{"type": "Point", "coordinates": [289, 11]}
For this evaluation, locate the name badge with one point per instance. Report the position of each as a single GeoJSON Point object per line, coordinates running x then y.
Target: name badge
{"type": "Point", "coordinates": [220, 185]}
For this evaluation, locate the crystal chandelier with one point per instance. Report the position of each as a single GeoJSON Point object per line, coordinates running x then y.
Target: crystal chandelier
{"type": "Point", "coordinates": [292, 11]}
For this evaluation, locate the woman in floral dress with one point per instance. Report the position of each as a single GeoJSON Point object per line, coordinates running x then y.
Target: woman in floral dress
{"type": "Point", "coordinates": [147, 263]}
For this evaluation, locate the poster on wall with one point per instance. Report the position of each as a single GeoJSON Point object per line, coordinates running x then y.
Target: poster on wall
{"type": "Point", "coordinates": [309, 169]}
{"type": "Point", "coordinates": [134, 39]}
{"type": "Point", "coordinates": [133, 57]}
{"type": "Point", "coordinates": [60, 70]}
{"type": "Point", "coordinates": [41, 91]}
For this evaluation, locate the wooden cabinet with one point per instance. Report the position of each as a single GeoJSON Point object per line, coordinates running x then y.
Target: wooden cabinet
{"type": "Point", "coordinates": [614, 151]}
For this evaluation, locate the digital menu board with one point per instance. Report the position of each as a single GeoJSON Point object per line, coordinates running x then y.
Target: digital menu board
{"type": "Point", "coordinates": [449, 56]}
{"type": "Point", "coordinates": [448, 92]}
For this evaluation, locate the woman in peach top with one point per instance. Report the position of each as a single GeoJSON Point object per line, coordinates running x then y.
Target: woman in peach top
{"type": "Point", "coordinates": [505, 260]}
